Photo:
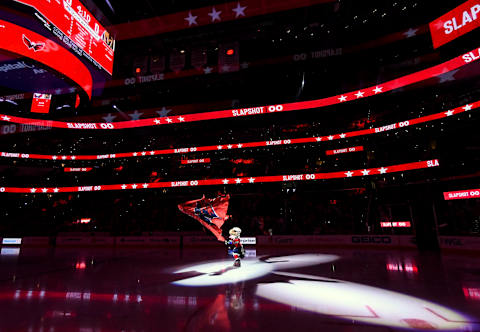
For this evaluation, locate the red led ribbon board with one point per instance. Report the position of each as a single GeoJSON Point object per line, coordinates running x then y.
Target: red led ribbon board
{"type": "Point", "coordinates": [455, 23]}
{"type": "Point", "coordinates": [19, 40]}
{"type": "Point", "coordinates": [395, 224]}
{"type": "Point", "coordinates": [195, 161]}
{"type": "Point", "coordinates": [344, 150]}
{"type": "Point", "coordinates": [304, 140]}
{"type": "Point", "coordinates": [227, 181]}
{"type": "Point", "coordinates": [461, 194]}
{"type": "Point", "coordinates": [71, 19]}
{"type": "Point", "coordinates": [403, 81]}
{"type": "Point", "coordinates": [41, 103]}
{"type": "Point", "coordinates": [77, 169]}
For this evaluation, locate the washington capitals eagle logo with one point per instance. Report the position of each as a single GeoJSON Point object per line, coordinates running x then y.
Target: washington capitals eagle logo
{"type": "Point", "coordinates": [32, 45]}
{"type": "Point", "coordinates": [206, 213]}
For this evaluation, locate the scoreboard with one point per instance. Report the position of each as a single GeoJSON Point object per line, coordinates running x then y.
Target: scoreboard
{"type": "Point", "coordinates": [71, 22]}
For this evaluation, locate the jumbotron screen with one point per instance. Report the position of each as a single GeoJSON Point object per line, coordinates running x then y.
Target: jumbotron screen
{"type": "Point", "coordinates": [70, 21]}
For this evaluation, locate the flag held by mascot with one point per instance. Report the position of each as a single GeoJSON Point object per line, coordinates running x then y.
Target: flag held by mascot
{"type": "Point", "coordinates": [211, 213]}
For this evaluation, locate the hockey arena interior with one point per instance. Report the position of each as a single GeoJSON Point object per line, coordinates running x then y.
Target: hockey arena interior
{"type": "Point", "coordinates": [246, 165]}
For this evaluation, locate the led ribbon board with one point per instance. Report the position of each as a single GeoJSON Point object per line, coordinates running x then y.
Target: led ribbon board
{"type": "Point", "coordinates": [228, 181]}
{"type": "Point", "coordinates": [400, 82]}
{"type": "Point", "coordinates": [14, 38]}
{"type": "Point", "coordinates": [319, 139]}
{"type": "Point", "coordinates": [461, 194]}
{"type": "Point", "coordinates": [455, 23]}
{"type": "Point", "coordinates": [70, 19]}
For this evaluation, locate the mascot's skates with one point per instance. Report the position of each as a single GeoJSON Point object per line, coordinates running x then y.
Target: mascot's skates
{"type": "Point", "coordinates": [235, 247]}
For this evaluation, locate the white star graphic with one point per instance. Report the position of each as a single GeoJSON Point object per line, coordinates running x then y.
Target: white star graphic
{"type": "Point", "coordinates": [215, 15]}
{"type": "Point", "coordinates": [54, 157]}
{"type": "Point", "coordinates": [144, 153]}
{"type": "Point", "coordinates": [239, 10]}
{"type": "Point", "coordinates": [219, 147]}
{"type": "Point", "coordinates": [330, 137]}
{"type": "Point", "coordinates": [124, 186]}
{"type": "Point", "coordinates": [135, 115]}
{"type": "Point", "coordinates": [73, 157]}
{"type": "Point", "coordinates": [342, 135]}
{"type": "Point", "coordinates": [225, 181]}
{"type": "Point", "coordinates": [318, 139]}
{"type": "Point", "coordinates": [382, 170]}
{"type": "Point", "coordinates": [157, 121]}
{"type": "Point", "coordinates": [6, 118]}
{"type": "Point", "coordinates": [163, 112]}
{"type": "Point", "coordinates": [191, 19]}
{"type": "Point", "coordinates": [251, 180]}
{"type": "Point", "coordinates": [134, 154]}
{"type": "Point", "coordinates": [44, 190]}
{"type": "Point", "coordinates": [239, 145]}
{"type": "Point", "coordinates": [377, 89]}
{"type": "Point", "coordinates": [145, 185]}
{"type": "Point", "coordinates": [349, 174]}
{"type": "Point", "coordinates": [467, 107]}
{"type": "Point", "coordinates": [359, 94]}
{"type": "Point", "coordinates": [152, 153]}
{"type": "Point", "coordinates": [181, 118]}
{"type": "Point", "coordinates": [109, 118]}
{"type": "Point", "coordinates": [33, 190]}
{"type": "Point", "coordinates": [449, 113]}
{"type": "Point", "coordinates": [169, 120]}
{"type": "Point", "coordinates": [365, 172]}
{"type": "Point", "coordinates": [207, 70]}
{"type": "Point", "coordinates": [55, 190]}
{"type": "Point", "coordinates": [64, 157]}
{"type": "Point", "coordinates": [238, 180]}
{"type": "Point", "coordinates": [229, 146]}
{"type": "Point", "coordinates": [342, 98]}
{"type": "Point", "coordinates": [134, 186]}
{"type": "Point", "coordinates": [410, 33]}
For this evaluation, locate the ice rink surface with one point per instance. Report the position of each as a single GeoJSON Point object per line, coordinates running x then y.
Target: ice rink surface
{"type": "Point", "coordinates": [108, 289]}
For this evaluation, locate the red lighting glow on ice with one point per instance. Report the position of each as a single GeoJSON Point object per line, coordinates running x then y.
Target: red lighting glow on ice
{"type": "Point", "coordinates": [471, 293]}
{"type": "Point", "coordinates": [406, 267]}
{"type": "Point", "coordinates": [395, 224]}
{"type": "Point", "coordinates": [455, 23]}
{"type": "Point", "coordinates": [227, 181]}
{"type": "Point", "coordinates": [380, 88]}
